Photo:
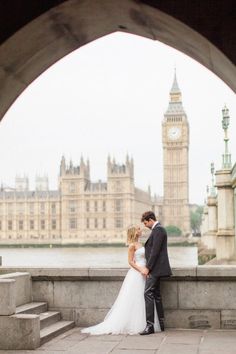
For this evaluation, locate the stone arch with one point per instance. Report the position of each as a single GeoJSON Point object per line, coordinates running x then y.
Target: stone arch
{"type": "Point", "coordinates": [66, 27]}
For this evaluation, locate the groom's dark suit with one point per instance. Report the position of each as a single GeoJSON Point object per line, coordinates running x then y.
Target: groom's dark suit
{"type": "Point", "coordinates": [159, 266]}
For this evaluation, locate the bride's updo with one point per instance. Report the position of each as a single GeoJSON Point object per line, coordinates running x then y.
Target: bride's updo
{"type": "Point", "coordinates": [132, 234]}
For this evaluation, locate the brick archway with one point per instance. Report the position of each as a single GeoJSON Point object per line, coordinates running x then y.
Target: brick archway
{"type": "Point", "coordinates": [72, 24]}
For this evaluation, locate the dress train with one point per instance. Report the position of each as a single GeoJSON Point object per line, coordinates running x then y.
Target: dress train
{"type": "Point", "coordinates": [127, 315]}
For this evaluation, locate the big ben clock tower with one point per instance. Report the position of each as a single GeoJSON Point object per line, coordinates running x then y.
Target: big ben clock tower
{"type": "Point", "coordinates": [175, 140]}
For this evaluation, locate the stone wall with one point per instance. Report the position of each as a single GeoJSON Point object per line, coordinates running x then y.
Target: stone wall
{"type": "Point", "coordinates": [195, 297]}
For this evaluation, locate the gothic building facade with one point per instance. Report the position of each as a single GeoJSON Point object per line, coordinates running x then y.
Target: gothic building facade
{"type": "Point", "coordinates": [80, 211]}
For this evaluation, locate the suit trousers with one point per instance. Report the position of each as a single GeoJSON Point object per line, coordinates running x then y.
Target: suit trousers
{"type": "Point", "coordinates": [152, 295]}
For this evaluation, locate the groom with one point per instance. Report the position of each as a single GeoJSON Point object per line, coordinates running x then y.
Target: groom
{"type": "Point", "coordinates": [157, 266]}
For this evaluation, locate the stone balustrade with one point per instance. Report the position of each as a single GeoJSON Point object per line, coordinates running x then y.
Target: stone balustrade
{"type": "Point", "coordinates": [194, 297]}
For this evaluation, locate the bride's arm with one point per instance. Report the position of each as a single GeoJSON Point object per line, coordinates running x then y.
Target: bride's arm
{"type": "Point", "coordinates": [131, 261]}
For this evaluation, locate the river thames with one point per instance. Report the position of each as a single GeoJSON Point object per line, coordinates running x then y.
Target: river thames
{"type": "Point", "coordinates": [80, 257]}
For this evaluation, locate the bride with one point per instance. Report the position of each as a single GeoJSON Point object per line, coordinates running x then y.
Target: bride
{"type": "Point", "coordinates": [127, 315]}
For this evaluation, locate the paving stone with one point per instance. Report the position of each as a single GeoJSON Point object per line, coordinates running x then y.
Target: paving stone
{"type": "Point", "coordinates": [183, 340]}
{"type": "Point", "coordinates": [217, 345]}
{"type": "Point", "coordinates": [92, 347]}
{"type": "Point", "coordinates": [184, 337]}
{"type": "Point", "coordinates": [107, 337]}
{"type": "Point", "coordinates": [215, 351]}
{"type": "Point", "coordinates": [231, 334]}
{"type": "Point", "coordinates": [61, 345]}
{"type": "Point", "coordinates": [133, 351]}
{"type": "Point", "coordinates": [151, 341]}
{"type": "Point", "coordinates": [176, 348]}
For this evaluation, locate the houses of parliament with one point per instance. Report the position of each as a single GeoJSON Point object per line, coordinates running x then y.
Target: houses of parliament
{"type": "Point", "coordinates": [82, 211]}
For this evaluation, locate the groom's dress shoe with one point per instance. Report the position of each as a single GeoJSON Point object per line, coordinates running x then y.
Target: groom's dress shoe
{"type": "Point", "coordinates": [162, 325]}
{"type": "Point", "coordinates": [147, 330]}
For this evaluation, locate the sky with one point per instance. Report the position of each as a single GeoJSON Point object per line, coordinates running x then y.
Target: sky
{"type": "Point", "coordinates": [109, 97]}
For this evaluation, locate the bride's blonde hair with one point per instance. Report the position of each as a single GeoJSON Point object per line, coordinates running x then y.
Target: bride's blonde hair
{"type": "Point", "coordinates": [131, 234]}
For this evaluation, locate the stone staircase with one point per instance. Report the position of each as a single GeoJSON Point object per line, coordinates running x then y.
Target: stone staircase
{"type": "Point", "coordinates": [25, 324]}
{"type": "Point", "coordinates": [51, 324]}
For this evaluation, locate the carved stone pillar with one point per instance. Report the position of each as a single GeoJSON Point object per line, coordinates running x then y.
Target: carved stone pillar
{"type": "Point", "coordinates": [211, 233]}
{"type": "Point", "coordinates": [225, 243]}
{"type": "Point", "coordinates": [205, 226]}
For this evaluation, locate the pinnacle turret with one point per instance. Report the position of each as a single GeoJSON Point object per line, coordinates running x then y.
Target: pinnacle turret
{"type": "Point", "coordinates": [175, 103]}
{"type": "Point", "coordinates": [175, 87]}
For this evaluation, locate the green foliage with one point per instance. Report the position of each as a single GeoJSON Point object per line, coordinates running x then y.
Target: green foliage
{"type": "Point", "coordinates": [196, 220]}
{"type": "Point", "coordinates": [173, 230]}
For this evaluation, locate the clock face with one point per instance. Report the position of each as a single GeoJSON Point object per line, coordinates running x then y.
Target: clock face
{"type": "Point", "coordinates": [174, 133]}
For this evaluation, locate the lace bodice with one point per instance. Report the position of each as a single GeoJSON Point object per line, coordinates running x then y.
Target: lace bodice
{"type": "Point", "coordinates": [139, 256]}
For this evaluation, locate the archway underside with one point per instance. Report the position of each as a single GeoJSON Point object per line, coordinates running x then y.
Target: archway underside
{"type": "Point", "coordinates": [65, 28]}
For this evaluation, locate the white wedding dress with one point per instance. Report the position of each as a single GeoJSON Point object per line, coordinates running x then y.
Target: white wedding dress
{"type": "Point", "coordinates": [127, 315]}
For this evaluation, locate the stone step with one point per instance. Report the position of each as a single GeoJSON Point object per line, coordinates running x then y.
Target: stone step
{"type": "Point", "coordinates": [54, 330]}
{"type": "Point", "coordinates": [32, 307]}
{"type": "Point", "coordinates": [48, 318]}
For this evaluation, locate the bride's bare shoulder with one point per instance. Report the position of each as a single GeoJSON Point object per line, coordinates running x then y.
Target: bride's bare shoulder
{"type": "Point", "coordinates": [131, 247]}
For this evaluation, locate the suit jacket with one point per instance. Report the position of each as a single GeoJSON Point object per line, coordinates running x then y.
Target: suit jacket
{"type": "Point", "coordinates": [156, 252]}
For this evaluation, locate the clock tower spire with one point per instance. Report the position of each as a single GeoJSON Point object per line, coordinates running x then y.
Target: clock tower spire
{"type": "Point", "coordinates": [175, 103]}
{"type": "Point", "coordinates": [175, 141]}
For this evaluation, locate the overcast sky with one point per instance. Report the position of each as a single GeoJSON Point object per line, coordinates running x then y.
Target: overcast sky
{"type": "Point", "coordinates": [109, 97]}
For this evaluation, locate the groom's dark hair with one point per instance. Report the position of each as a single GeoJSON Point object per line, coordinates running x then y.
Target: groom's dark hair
{"type": "Point", "coordinates": [148, 215]}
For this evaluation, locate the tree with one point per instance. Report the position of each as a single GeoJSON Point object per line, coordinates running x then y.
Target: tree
{"type": "Point", "coordinates": [173, 230]}
{"type": "Point", "coordinates": [196, 220]}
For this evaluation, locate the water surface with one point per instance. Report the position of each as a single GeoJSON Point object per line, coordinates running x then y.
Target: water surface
{"type": "Point", "coordinates": [108, 257]}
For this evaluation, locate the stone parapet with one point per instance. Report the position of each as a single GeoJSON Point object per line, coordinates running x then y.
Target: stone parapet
{"type": "Point", "coordinates": [194, 297]}
{"type": "Point", "coordinates": [204, 272]}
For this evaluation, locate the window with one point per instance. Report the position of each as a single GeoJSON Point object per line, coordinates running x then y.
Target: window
{"type": "Point", "coordinates": [42, 208]}
{"type": "Point", "coordinates": [31, 224]}
{"type": "Point", "coordinates": [118, 186]}
{"type": "Point", "coordinates": [95, 206]}
{"type": "Point", "coordinates": [10, 208]}
{"type": "Point", "coordinates": [72, 206]}
{"type": "Point", "coordinates": [104, 223]}
{"type": "Point", "coordinates": [96, 223]}
{"type": "Point", "coordinates": [87, 223]}
{"type": "Point", "coordinates": [118, 205]}
{"type": "Point", "coordinates": [87, 206]}
{"type": "Point", "coordinates": [42, 224]}
{"type": "Point", "coordinates": [31, 208]}
{"type": "Point", "coordinates": [21, 224]}
{"type": "Point", "coordinates": [9, 224]}
{"type": "Point", "coordinates": [73, 223]}
{"type": "Point", "coordinates": [118, 223]}
{"type": "Point", "coordinates": [54, 224]}
{"type": "Point", "coordinates": [53, 208]}
{"type": "Point", "coordinates": [72, 187]}
{"type": "Point", "coordinates": [21, 208]}
{"type": "Point", "coordinates": [104, 206]}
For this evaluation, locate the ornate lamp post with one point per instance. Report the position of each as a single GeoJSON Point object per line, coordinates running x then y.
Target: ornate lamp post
{"type": "Point", "coordinates": [226, 157]}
